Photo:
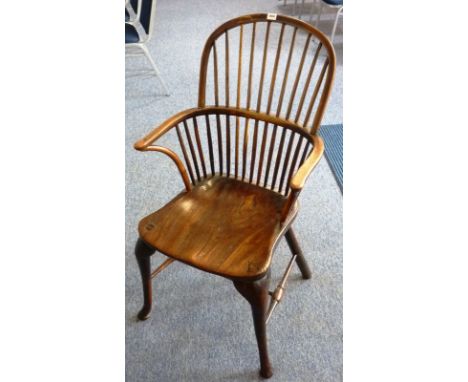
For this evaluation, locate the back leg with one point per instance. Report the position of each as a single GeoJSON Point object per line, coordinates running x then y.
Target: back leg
{"type": "Point", "coordinates": [296, 250]}
{"type": "Point", "coordinates": [143, 254]}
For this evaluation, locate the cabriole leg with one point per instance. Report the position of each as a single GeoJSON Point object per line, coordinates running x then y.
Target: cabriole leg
{"type": "Point", "coordinates": [256, 293]}
{"type": "Point", "coordinates": [143, 254]}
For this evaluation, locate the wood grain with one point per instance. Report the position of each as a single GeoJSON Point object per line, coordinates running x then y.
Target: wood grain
{"type": "Point", "coordinates": [223, 226]}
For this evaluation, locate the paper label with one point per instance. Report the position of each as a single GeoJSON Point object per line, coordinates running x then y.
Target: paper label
{"type": "Point", "coordinates": [271, 16]}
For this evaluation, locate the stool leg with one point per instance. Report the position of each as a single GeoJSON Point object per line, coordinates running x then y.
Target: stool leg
{"type": "Point", "coordinates": [256, 293]}
{"type": "Point", "coordinates": [296, 250]}
{"type": "Point", "coordinates": [335, 24]}
{"type": "Point", "coordinates": [143, 254]}
{"type": "Point", "coordinates": [319, 14]}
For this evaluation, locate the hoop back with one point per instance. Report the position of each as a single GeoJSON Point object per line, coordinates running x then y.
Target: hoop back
{"type": "Point", "coordinates": [269, 63]}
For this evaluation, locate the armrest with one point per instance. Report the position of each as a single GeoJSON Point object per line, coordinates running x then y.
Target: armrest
{"type": "Point", "coordinates": [300, 177]}
{"type": "Point", "coordinates": [298, 180]}
{"type": "Point", "coordinates": [146, 143]}
{"type": "Point", "coordinates": [163, 128]}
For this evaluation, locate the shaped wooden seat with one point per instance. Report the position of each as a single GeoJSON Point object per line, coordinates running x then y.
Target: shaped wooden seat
{"type": "Point", "coordinates": [222, 226]}
{"type": "Point", "coordinates": [243, 159]}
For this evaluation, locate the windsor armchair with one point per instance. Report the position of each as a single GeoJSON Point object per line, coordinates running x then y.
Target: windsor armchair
{"type": "Point", "coordinates": [245, 159]}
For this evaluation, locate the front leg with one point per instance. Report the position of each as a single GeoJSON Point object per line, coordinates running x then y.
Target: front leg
{"type": "Point", "coordinates": [143, 254]}
{"type": "Point", "coordinates": [256, 293]}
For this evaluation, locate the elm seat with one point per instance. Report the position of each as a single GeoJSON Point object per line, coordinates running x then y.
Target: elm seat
{"type": "Point", "coordinates": [222, 209]}
{"type": "Point", "coordinates": [131, 34]}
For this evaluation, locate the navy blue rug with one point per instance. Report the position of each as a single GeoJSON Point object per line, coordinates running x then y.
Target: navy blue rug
{"type": "Point", "coordinates": [333, 138]}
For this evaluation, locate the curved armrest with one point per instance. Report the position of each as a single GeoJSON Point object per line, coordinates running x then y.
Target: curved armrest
{"type": "Point", "coordinates": [163, 128]}
{"type": "Point", "coordinates": [146, 143]}
{"type": "Point", "coordinates": [300, 177]}
{"type": "Point", "coordinates": [298, 180]}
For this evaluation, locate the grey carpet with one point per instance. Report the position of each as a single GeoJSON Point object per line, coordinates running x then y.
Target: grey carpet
{"type": "Point", "coordinates": [201, 328]}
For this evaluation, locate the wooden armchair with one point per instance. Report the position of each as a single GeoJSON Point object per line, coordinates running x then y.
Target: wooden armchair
{"type": "Point", "coordinates": [244, 159]}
